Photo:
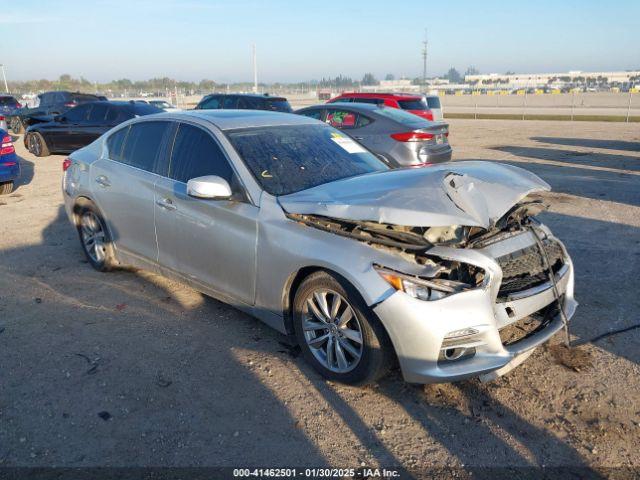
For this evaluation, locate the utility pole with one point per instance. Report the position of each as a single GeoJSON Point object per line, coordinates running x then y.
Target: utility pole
{"type": "Point", "coordinates": [424, 58]}
{"type": "Point", "coordinates": [6, 87]}
{"type": "Point", "coordinates": [255, 70]}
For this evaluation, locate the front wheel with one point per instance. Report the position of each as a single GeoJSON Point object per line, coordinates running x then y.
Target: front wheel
{"type": "Point", "coordinates": [37, 145]}
{"type": "Point", "coordinates": [338, 333]}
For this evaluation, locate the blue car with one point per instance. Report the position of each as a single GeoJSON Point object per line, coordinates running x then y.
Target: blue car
{"type": "Point", "coordinates": [9, 164]}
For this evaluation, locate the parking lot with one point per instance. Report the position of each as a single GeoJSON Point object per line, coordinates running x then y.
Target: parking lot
{"type": "Point", "coordinates": [130, 369]}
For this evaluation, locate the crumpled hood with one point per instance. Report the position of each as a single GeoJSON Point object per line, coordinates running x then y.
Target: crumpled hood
{"type": "Point", "coordinates": [466, 193]}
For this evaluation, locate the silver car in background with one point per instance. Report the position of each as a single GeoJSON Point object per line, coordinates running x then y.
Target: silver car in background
{"type": "Point", "coordinates": [445, 268]}
{"type": "Point", "coordinates": [401, 138]}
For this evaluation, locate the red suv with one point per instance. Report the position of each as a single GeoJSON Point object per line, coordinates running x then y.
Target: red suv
{"type": "Point", "coordinates": [415, 104]}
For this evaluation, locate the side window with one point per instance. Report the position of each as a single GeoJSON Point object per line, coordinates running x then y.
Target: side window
{"type": "Point", "coordinates": [341, 119]}
{"type": "Point", "coordinates": [117, 115]}
{"type": "Point", "coordinates": [115, 143]}
{"type": "Point", "coordinates": [230, 101]}
{"type": "Point", "coordinates": [317, 114]}
{"type": "Point", "coordinates": [143, 145]}
{"type": "Point", "coordinates": [362, 121]}
{"type": "Point", "coordinates": [77, 114]}
{"type": "Point", "coordinates": [196, 154]}
{"type": "Point", "coordinates": [211, 103]}
{"type": "Point", "coordinates": [249, 104]}
{"type": "Point", "coordinates": [97, 113]}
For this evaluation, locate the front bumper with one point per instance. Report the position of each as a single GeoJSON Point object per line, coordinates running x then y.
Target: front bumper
{"type": "Point", "coordinates": [418, 328]}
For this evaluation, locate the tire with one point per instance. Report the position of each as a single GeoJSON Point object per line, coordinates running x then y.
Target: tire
{"type": "Point", "coordinates": [374, 350]}
{"type": "Point", "coordinates": [99, 251]}
{"type": "Point", "coordinates": [6, 188]}
{"type": "Point", "coordinates": [16, 126]}
{"type": "Point", "coordinates": [37, 145]}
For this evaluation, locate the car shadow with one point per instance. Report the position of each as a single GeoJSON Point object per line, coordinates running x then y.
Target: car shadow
{"type": "Point", "coordinates": [26, 173]}
{"type": "Point", "coordinates": [591, 143]}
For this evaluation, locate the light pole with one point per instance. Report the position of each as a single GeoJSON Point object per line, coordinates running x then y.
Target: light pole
{"type": "Point", "coordinates": [6, 87]}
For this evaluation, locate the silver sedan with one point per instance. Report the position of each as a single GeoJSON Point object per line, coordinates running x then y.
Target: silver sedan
{"type": "Point", "coordinates": [444, 270]}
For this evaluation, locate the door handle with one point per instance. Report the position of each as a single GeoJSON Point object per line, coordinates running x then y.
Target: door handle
{"type": "Point", "coordinates": [103, 181]}
{"type": "Point", "coordinates": [166, 203]}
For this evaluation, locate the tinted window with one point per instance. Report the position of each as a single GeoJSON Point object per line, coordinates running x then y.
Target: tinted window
{"type": "Point", "coordinates": [117, 115]}
{"type": "Point", "coordinates": [250, 103]}
{"type": "Point", "coordinates": [317, 114]}
{"type": "Point", "coordinates": [145, 109]}
{"type": "Point", "coordinates": [230, 101]}
{"type": "Point", "coordinates": [77, 114]}
{"type": "Point", "coordinates": [413, 104]}
{"type": "Point", "coordinates": [433, 102]}
{"type": "Point", "coordinates": [82, 97]}
{"type": "Point", "coordinates": [211, 103]}
{"type": "Point", "coordinates": [10, 101]}
{"type": "Point", "coordinates": [196, 154]}
{"type": "Point", "coordinates": [405, 118]}
{"type": "Point", "coordinates": [287, 159]}
{"type": "Point", "coordinates": [278, 105]}
{"type": "Point", "coordinates": [97, 113]}
{"type": "Point", "coordinates": [115, 143]}
{"type": "Point", "coordinates": [143, 144]}
{"type": "Point", "coordinates": [374, 101]}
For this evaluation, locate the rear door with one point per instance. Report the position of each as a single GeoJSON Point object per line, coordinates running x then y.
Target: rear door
{"type": "Point", "coordinates": [123, 182]}
{"type": "Point", "coordinates": [95, 125]}
{"type": "Point", "coordinates": [210, 242]}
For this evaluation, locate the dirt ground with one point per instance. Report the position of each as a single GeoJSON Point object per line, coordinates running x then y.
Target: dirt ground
{"type": "Point", "coordinates": [130, 369]}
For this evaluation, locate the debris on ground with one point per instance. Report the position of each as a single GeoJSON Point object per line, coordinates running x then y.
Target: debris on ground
{"type": "Point", "coordinates": [576, 358]}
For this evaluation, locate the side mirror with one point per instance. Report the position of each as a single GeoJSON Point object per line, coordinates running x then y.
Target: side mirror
{"type": "Point", "coordinates": [209, 187]}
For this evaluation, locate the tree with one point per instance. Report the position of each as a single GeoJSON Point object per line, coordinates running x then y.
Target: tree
{"type": "Point", "coordinates": [453, 76]}
{"type": "Point", "coordinates": [369, 79]}
{"type": "Point", "coordinates": [471, 71]}
{"type": "Point", "coordinates": [390, 76]}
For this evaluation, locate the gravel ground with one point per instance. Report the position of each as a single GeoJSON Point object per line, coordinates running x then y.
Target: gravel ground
{"type": "Point", "coordinates": [129, 369]}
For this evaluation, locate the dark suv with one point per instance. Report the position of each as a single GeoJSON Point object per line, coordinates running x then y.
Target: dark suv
{"type": "Point", "coordinates": [244, 101]}
{"type": "Point", "coordinates": [50, 103]}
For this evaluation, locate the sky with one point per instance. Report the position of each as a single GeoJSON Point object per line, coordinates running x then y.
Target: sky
{"type": "Point", "coordinates": [300, 40]}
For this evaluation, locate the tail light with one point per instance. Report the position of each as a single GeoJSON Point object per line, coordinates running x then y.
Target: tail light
{"type": "Point", "coordinates": [70, 104]}
{"type": "Point", "coordinates": [66, 163]}
{"type": "Point", "coordinates": [1, 118]}
{"type": "Point", "coordinates": [7, 146]}
{"type": "Point", "coordinates": [412, 136]}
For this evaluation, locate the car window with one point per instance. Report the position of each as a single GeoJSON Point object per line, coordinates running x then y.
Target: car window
{"type": "Point", "coordinates": [342, 119]}
{"type": "Point", "coordinates": [277, 105]}
{"type": "Point", "coordinates": [249, 103]}
{"type": "Point", "coordinates": [373, 101]}
{"type": "Point", "coordinates": [195, 154]}
{"type": "Point", "coordinates": [117, 115]}
{"type": "Point", "coordinates": [82, 97]}
{"type": "Point", "coordinates": [4, 101]}
{"type": "Point", "coordinates": [141, 109]}
{"type": "Point", "coordinates": [433, 102]}
{"type": "Point", "coordinates": [317, 114]}
{"type": "Point", "coordinates": [405, 118]}
{"type": "Point", "coordinates": [230, 101]}
{"type": "Point", "coordinates": [97, 113]}
{"type": "Point", "coordinates": [77, 114]}
{"type": "Point", "coordinates": [413, 104]}
{"type": "Point", "coordinates": [287, 159]}
{"type": "Point", "coordinates": [362, 121]}
{"type": "Point", "coordinates": [143, 144]}
{"type": "Point", "coordinates": [211, 103]}
{"type": "Point", "coordinates": [115, 142]}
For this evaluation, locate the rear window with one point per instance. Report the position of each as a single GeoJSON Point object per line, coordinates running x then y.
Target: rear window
{"type": "Point", "coordinates": [279, 105]}
{"type": "Point", "coordinates": [145, 109]}
{"type": "Point", "coordinates": [413, 104]}
{"type": "Point", "coordinates": [83, 97]}
{"type": "Point", "coordinates": [10, 101]}
{"type": "Point", "coordinates": [405, 118]}
{"type": "Point", "coordinates": [433, 102]}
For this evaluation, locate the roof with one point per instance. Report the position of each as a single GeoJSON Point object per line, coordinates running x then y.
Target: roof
{"type": "Point", "coordinates": [380, 95]}
{"type": "Point", "coordinates": [231, 119]}
{"type": "Point", "coordinates": [254, 95]}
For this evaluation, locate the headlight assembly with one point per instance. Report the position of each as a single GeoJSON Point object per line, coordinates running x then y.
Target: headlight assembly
{"type": "Point", "coordinates": [421, 288]}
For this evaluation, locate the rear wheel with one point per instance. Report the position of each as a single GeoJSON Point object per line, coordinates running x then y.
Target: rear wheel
{"type": "Point", "coordinates": [338, 333]}
{"type": "Point", "coordinates": [95, 239]}
{"type": "Point", "coordinates": [6, 188]}
{"type": "Point", "coordinates": [37, 145]}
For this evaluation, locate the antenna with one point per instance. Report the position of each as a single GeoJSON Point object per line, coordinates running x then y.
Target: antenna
{"type": "Point", "coordinates": [424, 58]}
{"type": "Point", "coordinates": [255, 70]}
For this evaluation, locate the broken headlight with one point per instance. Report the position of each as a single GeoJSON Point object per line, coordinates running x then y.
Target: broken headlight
{"type": "Point", "coordinates": [421, 288]}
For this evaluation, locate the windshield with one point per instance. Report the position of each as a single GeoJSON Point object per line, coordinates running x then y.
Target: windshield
{"type": "Point", "coordinates": [287, 159]}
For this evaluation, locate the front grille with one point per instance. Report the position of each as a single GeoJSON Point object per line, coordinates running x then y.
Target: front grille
{"type": "Point", "coordinates": [525, 268]}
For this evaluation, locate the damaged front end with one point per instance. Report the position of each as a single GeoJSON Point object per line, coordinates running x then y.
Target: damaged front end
{"type": "Point", "coordinates": [484, 289]}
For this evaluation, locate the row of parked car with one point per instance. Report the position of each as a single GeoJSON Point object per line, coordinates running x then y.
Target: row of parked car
{"type": "Point", "coordinates": [402, 129]}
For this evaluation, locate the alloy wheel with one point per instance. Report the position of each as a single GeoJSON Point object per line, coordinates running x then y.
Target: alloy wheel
{"type": "Point", "coordinates": [93, 237]}
{"type": "Point", "coordinates": [34, 145]}
{"type": "Point", "coordinates": [332, 331]}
